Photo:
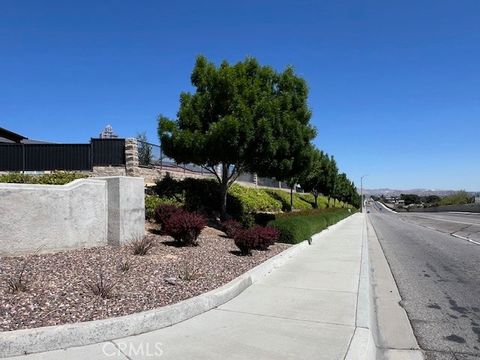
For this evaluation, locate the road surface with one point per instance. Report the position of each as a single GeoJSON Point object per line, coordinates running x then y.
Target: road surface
{"type": "Point", "coordinates": [438, 276]}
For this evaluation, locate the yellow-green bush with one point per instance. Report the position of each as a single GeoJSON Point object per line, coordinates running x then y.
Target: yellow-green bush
{"type": "Point", "coordinates": [152, 201]}
{"type": "Point", "coordinates": [55, 178]}
{"type": "Point", "coordinates": [299, 202]}
{"type": "Point", "coordinates": [254, 200]}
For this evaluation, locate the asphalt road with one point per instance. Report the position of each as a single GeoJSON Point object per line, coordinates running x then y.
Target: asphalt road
{"type": "Point", "coordinates": [438, 276]}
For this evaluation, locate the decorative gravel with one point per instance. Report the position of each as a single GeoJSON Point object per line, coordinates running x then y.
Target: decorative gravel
{"type": "Point", "coordinates": [57, 291]}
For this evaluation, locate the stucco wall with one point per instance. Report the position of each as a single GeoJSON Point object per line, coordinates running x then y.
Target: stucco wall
{"type": "Point", "coordinates": [126, 209]}
{"type": "Point", "coordinates": [84, 213]}
{"type": "Point", "coordinates": [52, 217]}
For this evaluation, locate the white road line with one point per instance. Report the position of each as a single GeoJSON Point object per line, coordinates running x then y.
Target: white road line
{"type": "Point", "coordinates": [465, 238]}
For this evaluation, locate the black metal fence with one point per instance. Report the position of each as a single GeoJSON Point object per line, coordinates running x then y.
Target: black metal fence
{"type": "Point", "coordinates": [45, 157]}
{"type": "Point", "coordinates": [151, 155]}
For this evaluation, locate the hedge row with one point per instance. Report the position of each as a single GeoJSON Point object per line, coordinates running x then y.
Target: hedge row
{"type": "Point", "coordinates": [203, 195]}
{"type": "Point", "coordinates": [56, 178]}
{"type": "Point", "coordinates": [297, 227]}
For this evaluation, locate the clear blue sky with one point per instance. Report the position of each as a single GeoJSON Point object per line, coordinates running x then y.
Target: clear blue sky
{"type": "Point", "coordinates": [394, 85]}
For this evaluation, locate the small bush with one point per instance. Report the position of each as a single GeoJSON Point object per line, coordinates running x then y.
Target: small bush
{"type": "Point", "coordinates": [246, 240]}
{"type": "Point", "coordinates": [263, 219]}
{"type": "Point", "coordinates": [230, 227]}
{"type": "Point", "coordinates": [152, 201]}
{"type": "Point", "coordinates": [266, 236]}
{"type": "Point", "coordinates": [257, 237]}
{"type": "Point", "coordinates": [16, 282]}
{"type": "Point", "coordinates": [164, 212]}
{"type": "Point", "coordinates": [189, 271]}
{"type": "Point", "coordinates": [141, 246]}
{"type": "Point", "coordinates": [124, 266]}
{"type": "Point", "coordinates": [101, 287]}
{"type": "Point", "coordinates": [185, 227]}
{"type": "Point", "coordinates": [168, 187]}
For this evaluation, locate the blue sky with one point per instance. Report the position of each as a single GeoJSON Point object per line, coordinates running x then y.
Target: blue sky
{"type": "Point", "coordinates": [394, 85]}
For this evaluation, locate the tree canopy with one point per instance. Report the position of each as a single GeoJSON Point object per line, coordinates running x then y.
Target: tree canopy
{"type": "Point", "coordinates": [323, 177]}
{"type": "Point", "coordinates": [241, 117]}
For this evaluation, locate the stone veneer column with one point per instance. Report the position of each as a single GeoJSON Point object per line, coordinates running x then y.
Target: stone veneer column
{"type": "Point", "coordinates": [131, 156]}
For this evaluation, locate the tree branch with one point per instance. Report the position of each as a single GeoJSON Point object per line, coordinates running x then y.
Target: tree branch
{"type": "Point", "coordinates": [236, 172]}
{"type": "Point", "coordinates": [212, 171]}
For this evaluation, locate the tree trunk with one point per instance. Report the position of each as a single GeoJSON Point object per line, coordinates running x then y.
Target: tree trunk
{"type": "Point", "coordinates": [223, 192]}
{"type": "Point", "coordinates": [328, 202]}
{"type": "Point", "coordinates": [316, 201]}
{"type": "Point", "coordinates": [291, 198]}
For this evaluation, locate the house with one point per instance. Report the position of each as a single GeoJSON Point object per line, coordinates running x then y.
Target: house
{"type": "Point", "coordinates": [9, 137]}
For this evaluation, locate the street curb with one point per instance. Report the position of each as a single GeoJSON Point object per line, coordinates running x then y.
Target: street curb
{"type": "Point", "coordinates": [29, 341]}
{"type": "Point", "coordinates": [362, 345]}
{"type": "Point", "coordinates": [390, 330]}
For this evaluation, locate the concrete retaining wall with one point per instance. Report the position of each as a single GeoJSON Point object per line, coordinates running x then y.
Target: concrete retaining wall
{"type": "Point", "coordinates": [460, 208]}
{"type": "Point", "coordinates": [83, 213]}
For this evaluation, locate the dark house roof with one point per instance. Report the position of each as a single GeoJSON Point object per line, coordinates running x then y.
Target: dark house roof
{"type": "Point", "coordinates": [10, 135]}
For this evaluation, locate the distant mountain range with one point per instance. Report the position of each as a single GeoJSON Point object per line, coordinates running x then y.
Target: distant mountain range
{"type": "Point", "coordinates": [420, 192]}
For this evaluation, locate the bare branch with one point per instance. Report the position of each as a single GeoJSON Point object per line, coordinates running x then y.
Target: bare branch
{"type": "Point", "coordinates": [212, 171]}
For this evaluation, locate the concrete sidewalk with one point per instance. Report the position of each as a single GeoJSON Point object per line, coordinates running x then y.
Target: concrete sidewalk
{"type": "Point", "coordinates": [306, 309]}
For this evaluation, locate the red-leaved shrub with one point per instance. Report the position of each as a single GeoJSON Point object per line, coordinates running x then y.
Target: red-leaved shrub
{"type": "Point", "coordinates": [164, 212]}
{"type": "Point", "coordinates": [266, 236]}
{"type": "Point", "coordinates": [246, 240]}
{"type": "Point", "coordinates": [184, 227]}
{"type": "Point", "coordinates": [257, 237]}
{"type": "Point", "coordinates": [230, 227]}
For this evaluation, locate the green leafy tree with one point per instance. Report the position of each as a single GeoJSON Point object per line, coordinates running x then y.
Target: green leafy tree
{"type": "Point", "coordinates": [342, 188]}
{"type": "Point", "coordinates": [144, 149]}
{"type": "Point", "coordinates": [314, 179]}
{"type": "Point", "coordinates": [322, 176]}
{"type": "Point", "coordinates": [242, 117]}
{"type": "Point", "coordinates": [410, 199]}
{"type": "Point", "coordinates": [300, 169]}
{"type": "Point", "coordinates": [459, 198]}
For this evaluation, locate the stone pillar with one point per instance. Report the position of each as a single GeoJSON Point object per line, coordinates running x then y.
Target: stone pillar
{"type": "Point", "coordinates": [131, 156]}
{"type": "Point", "coordinates": [255, 179]}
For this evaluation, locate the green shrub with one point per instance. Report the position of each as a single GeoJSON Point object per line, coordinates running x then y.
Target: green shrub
{"type": "Point", "coordinates": [253, 200]}
{"type": "Point", "coordinates": [55, 178]}
{"type": "Point", "coordinates": [300, 201]}
{"type": "Point", "coordinates": [300, 226]}
{"type": "Point", "coordinates": [458, 198]}
{"type": "Point", "coordinates": [168, 187]}
{"type": "Point", "coordinates": [242, 202]}
{"type": "Point", "coordinates": [201, 195]}
{"type": "Point", "coordinates": [152, 201]}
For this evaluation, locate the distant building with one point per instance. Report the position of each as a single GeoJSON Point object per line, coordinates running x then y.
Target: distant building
{"type": "Point", "coordinates": [108, 133]}
{"type": "Point", "coordinates": [477, 200]}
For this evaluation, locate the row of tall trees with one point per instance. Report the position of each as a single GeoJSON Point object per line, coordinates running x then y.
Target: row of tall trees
{"type": "Point", "coordinates": [247, 117]}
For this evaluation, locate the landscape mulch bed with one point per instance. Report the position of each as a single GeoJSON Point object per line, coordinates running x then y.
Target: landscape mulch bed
{"type": "Point", "coordinates": [57, 291]}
